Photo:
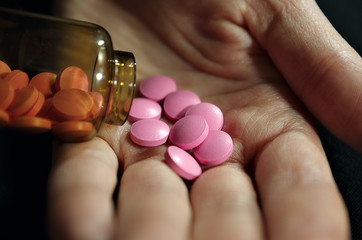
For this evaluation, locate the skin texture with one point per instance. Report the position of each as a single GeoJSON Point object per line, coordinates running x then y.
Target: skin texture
{"type": "Point", "coordinates": [272, 67]}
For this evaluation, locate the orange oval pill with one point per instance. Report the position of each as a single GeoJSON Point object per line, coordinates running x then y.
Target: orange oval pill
{"type": "Point", "coordinates": [24, 100]}
{"type": "Point", "coordinates": [97, 106]}
{"type": "Point", "coordinates": [47, 111]}
{"type": "Point", "coordinates": [37, 106]}
{"type": "Point", "coordinates": [4, 68]}
{"type": "Point", "coordinates": [31, 124]}
{"type": "Point", "coordinates": [72, 77]}
{"type": "Point", "coordinates": [72, 131]}
{"type": "Point", "coordinates": [44, 82]}
{"type": "Point", "coordinates": [72, 104]}
{"type": "Point", "coordinates": [4, 118]}
{"type": "Point", "coordinates": [7, 94]}
{"type": "Point", "coordinates": [18, 79]}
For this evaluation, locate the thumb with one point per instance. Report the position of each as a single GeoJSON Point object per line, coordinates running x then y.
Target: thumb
{"type": "Point", "coordinates": [318, 64]}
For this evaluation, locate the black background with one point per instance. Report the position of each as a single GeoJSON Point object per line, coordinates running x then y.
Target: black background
{"type": "Point", "coordinates": [25, 159]}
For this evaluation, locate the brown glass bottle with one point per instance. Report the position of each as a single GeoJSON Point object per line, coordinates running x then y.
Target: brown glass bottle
{"type": "Point", "coordinates": [37, 43]}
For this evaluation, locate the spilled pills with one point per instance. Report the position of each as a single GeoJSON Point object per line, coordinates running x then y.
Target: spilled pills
{"type": "Point", "coordinates": [195, 137]}
{"type": "Point", "coordinates": [61, 103]}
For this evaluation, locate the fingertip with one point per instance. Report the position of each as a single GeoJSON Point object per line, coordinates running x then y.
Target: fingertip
{"type": "Point", "coordinates": [80, 190]}
{"type": "Point", "coordinates": [80, 214]}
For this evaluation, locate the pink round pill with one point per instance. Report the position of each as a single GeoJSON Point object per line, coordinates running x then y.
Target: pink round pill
{"type": "Point", "coordinates": [143, 108]}
{"type": "Point", "coordinates": [216, 149]}
{"type": "Point", "coordinates": [189, 132]}
{"type": "Point", "coordinates": [182, 163]}
{"type": "Point", "coordinates": [210, 112]}
{"type": "Point", "coordinates": [149, 132]}
{"type": "Point", "coordinates": [177, 103]}
{"type": "Point", "coordinates": [157, 87]}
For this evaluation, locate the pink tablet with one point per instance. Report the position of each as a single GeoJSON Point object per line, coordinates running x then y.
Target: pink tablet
{"type": "Point", "coordinates": [216, 149]}
{"type": "Point", "coordinates": [210, 112]}
{"type": "Point", "coordinates": [189, 132]}
{"type": "Point", "coordinates": [157, 87]}
{"type": "Point", "coordinates": [182, 163]}
{"type": "Point", "coordinates": [177, 103]}
{"type": "Point", "coordinates": [149, 132]}
{"type": "Point", "coordinates": [143, 108]}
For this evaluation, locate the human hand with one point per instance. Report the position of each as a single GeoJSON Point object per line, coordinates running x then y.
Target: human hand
{"type": "Point", "coordinates": [250, 58]}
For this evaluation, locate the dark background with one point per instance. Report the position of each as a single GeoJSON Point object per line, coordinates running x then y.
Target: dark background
{"type": "Point", "coordinates": [25, 159]}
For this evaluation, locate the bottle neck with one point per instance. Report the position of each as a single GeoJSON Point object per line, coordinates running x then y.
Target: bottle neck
{"type": "Point", "coordinates": [122, 87]}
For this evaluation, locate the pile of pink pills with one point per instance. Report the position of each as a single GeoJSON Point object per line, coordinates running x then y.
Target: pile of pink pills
{"type": "Point", "coordinates": [195, 136]}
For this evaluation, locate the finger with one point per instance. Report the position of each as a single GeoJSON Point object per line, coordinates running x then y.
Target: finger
{"type": "Point", "coordinates": [319, 65]}
{"type": "Point", "coordinates": [80, 189]}
{"type": "Point", "coordinates": [225, 205]}
{"type": "Point", "coordinates": [153, 203]}
{"type": "Point", "coordinates": [297, 191]}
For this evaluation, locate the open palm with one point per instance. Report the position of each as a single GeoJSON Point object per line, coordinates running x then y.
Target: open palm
{"type": "Point", "coordinates": [276, 185]}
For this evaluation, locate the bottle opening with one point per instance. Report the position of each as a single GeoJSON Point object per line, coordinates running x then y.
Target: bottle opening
{"type": "Point", "coordinates": [122, 85]}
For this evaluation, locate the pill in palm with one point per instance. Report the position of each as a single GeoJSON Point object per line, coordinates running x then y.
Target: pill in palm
{"type": "Point", "coordinates": [189, 132]}
{"type": "Point", "coordinates": [210, 112]}
{"type": "Point", "coordinates": [149, 132]}
{"type": "Point", "coordinates": [182, 163]}
{"type": "Point", "coordinates": [177, 103]}
{"type": "Point", "coordinates": [143, 108]}
{"type": "Point", "coordinates": [216, 149]}
{"type": "Point", "coordinates": [157, 87]}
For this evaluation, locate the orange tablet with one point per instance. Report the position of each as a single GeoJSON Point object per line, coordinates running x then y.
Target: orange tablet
{"type": "Point", "coordinates": [37, 106]}
{"type": "Point", "coordinates": [4, 68]}
{"type": "Point", "coordinates": [24, 100]}
{"type": "Point", "coordinates": [72, 131]}
{"type": "Point", "coordinates": [4, 118]}
{"type": "Point", "coordinates": [44, 82]}
{"type": "Point", "coordinates": [31, 124]}
{"type": "Point", "coordinates": [72, 104]}
{"type": "Point", "coordinates": [18, 79]}
{"type": "Point", "coordinates": [97, 106]}
{"type": "Point", "coordinates": [47, 111]}
{"type": "Point", "coordinates": [7, 94]}
{"type": "Point", "coordinates": [72, 77]}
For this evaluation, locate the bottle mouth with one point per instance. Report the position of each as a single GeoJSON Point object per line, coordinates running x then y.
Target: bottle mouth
{"type": "Point", "coordinates": [122, 87]}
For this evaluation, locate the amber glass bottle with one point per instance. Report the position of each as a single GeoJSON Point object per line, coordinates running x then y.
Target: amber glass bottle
{"type": "Point", "coordinates": [37, 43]}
